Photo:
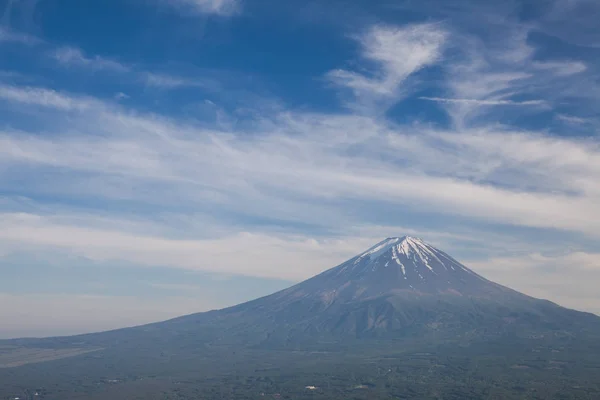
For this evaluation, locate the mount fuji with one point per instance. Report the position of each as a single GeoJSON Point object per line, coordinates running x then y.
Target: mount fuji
{"type": "Point", "coordinates": [401, 288]}
{"type": "Point", "coordinates": [399, 304]}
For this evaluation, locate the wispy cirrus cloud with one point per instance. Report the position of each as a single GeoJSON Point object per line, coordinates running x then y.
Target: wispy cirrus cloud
{"type": "Point", "coordinates": [256, 254]}
{"type": "Point", "coordinates": [562, 68]}
{"type": "Point", "coordinates": [74, 57]}
{"type": "Point", "coordinates": [166, 81]}
{"type": "Point", "coordinates": [570, 119]}
{"type": "Point", "coordinates": [495, 185]}
{"type": "Point", "coordinates": [504, 66]}
{"type": "Point", "coordinates": [216, 7]}
{"type": "Point", "coordinates": [398, 53]}
{"type": "Point", "coordinates": [485, 102]}
{"type": "Point", "coordinates": [48, 98]}
{"type": "Point", "coordinates": [9, 36]}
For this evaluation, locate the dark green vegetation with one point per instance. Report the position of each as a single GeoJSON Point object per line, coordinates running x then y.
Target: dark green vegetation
{"type": "Point", "coordinates": [506, 368]}
{"type": "Point", "coordinates": [401, 321]}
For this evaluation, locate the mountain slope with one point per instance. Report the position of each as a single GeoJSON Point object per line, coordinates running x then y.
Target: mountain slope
{"type": "Point", "coordinates": [400, 288]}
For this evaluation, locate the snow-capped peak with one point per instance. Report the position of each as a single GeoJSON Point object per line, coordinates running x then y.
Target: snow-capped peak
{"type": "Point", "coordinates": [412, 248]}
{"type": "Point", "coordinates": [398, 264]}
{"type": "Point", "coordinates": [411, 256]}
{"type": "Point", "coordinates": [403, 244]}
{"type": "Point", "coordinates": [380, 247]}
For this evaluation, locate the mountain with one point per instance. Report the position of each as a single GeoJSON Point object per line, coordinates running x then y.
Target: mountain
{"type": "Point", "coordinates": [401, 287]}
{"type": "Point", "coordinates": [401, 311]}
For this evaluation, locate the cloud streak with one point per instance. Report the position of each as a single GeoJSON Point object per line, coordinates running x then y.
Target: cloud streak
{"type": "Point", "coordinates": [216, 7]}
{"type": "Point", "coordinates": [398, 53]}
{"type": "Point", "coordinates": [165, 81]}
{"type": "Point", "coordinates": [47, 98]}
{"type": "Point", "coordinates": [254, 255]}
{"type": "Point", "coordinates": [74, 57]}
{"type": "Point", "coordinates": [314, 157]}
{"type": "Point", "coordinates": [485, 102]}
{"type": "Point", "coordinates": [9, 36]}
{"type": "Point", "coordinates": [572, 120]}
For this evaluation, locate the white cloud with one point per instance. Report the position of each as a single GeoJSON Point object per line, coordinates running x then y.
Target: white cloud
{"type": "Point", "coordinates": [8, 36]}
{"type": "Point", "coordinates": [571, 119]}
{"type": "Point", "coordinates": [481, 85]}
{"type": "Point", "coordinates": [216, 7]}
{"type": "Point", "coordinates": [492, 175]}
{"type": "Point", "coordinates": [281, 256]}
{"type": "Point", "coordinates": [158, 243]}
{"type": "Point", "coordinates": [486, 102]}
{"type": "Point", "coordinates": [48, 98]}
{"type": "Point", "coordinates": [121, 96]}
{"type": "Point", "coordinates": [398, 52]}
{"type": "Point", "coordinates": [166, 81]}
{"type": "Point", "coordinates": [71, 56]}
{"type": "Point", "coordinates": [502, 68]}
{"type": "Point", "coordinates": [539, 162]}
{"type": "Point", "coordinates": [563, 68]}
{"type": "Point", "coordinates": [74, 57]}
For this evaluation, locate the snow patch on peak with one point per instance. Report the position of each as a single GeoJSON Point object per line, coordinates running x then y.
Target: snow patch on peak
{"type": "Point", "coordinates": [402, 245]}
{"type": "Point", "coordinates": [402, 239]}
{"type": "Point", "coordinates": [380, 248]}
{"type": "Point", "coordinates": [395, 257]}
{"type": "Point", "coordinates": [418, 250]}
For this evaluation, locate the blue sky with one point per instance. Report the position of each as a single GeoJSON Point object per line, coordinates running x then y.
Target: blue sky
{"type": "Point", "coordinates": [161, 157]}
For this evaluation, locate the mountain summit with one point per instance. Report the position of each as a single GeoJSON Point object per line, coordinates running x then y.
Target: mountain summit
{"type": "Point", "coordinates": [403, 263]}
